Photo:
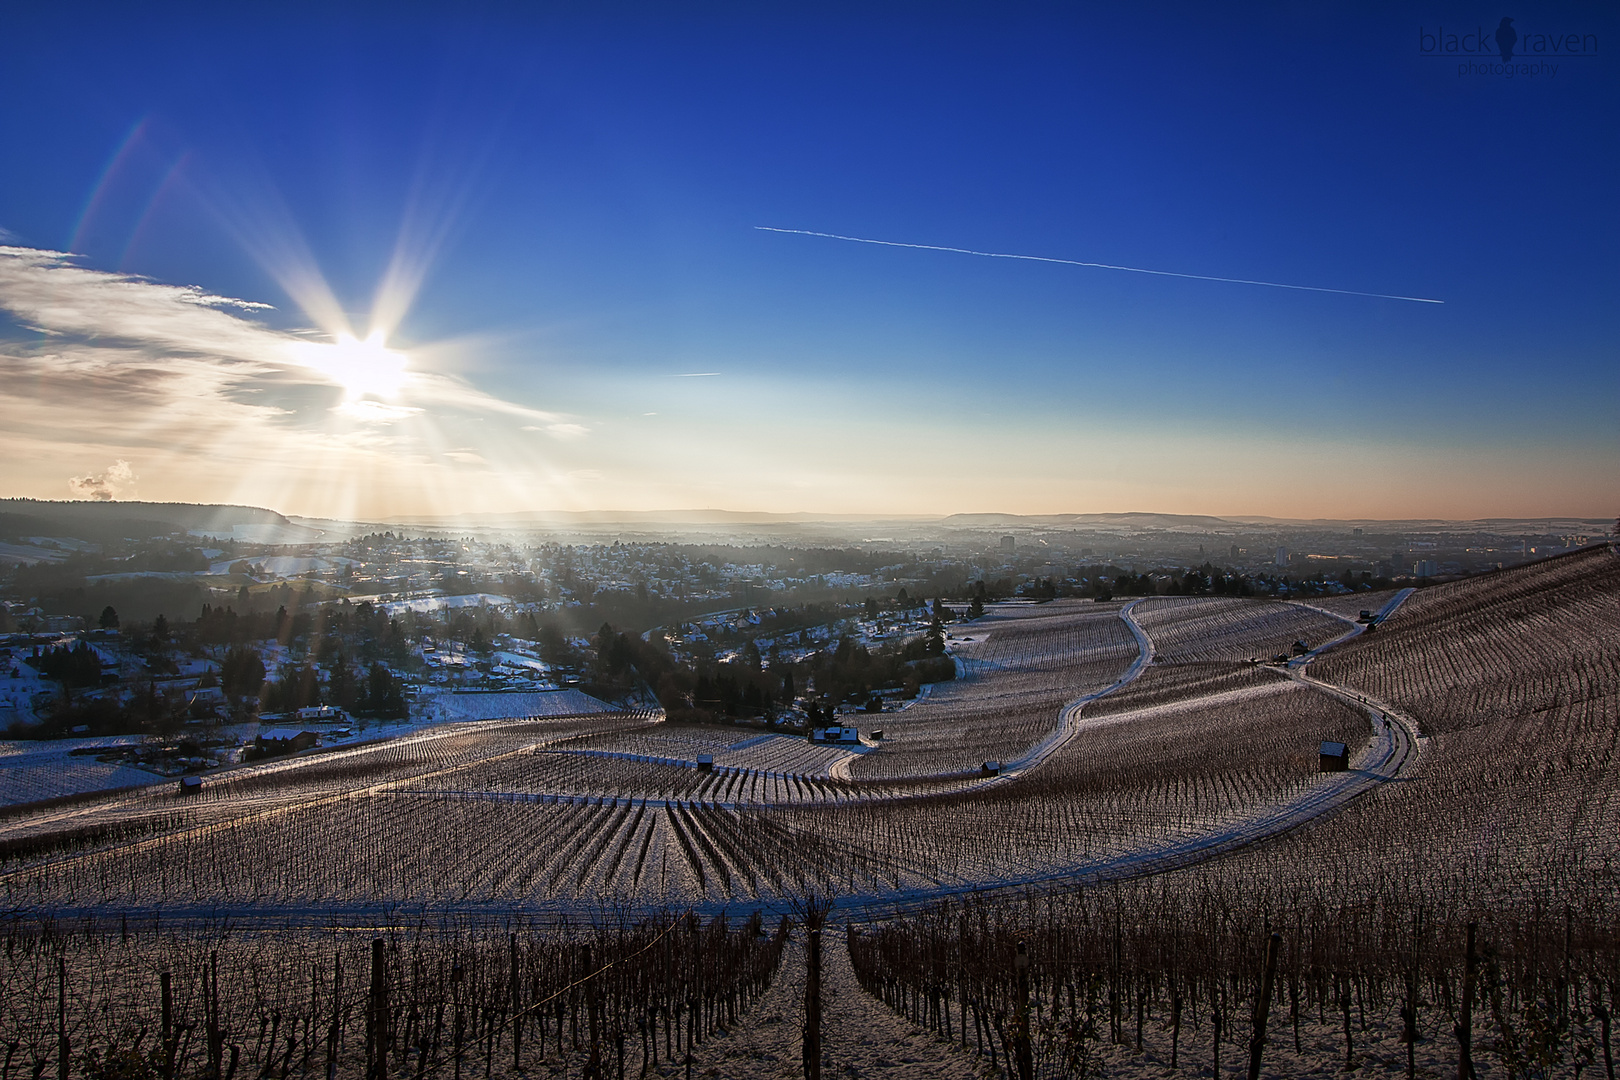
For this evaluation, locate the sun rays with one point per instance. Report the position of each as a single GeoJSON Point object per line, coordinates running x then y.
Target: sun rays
{"type": "Point", "coordinates": [209, 401]}
{"type": "Point", "coordinates": [365, 368]}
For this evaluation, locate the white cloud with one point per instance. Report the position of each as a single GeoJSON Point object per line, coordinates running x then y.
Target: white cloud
{"type": "Point", "coordinates": [560, 430]}
{"type": "Point", "coordinates": [217, 404]}
{"type": "Point", "coordinates": [368, 411]}
{"type": "Point", "coordinates": [118, 479]}
{"type": "Point", "coordinates": [48, 293]}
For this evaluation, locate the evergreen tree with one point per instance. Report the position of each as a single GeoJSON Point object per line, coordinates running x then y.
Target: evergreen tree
{"type": "Point", "coordinates": [242, 673]}
{"type": "Point", "coordinates": [384, 697]}
{"type": "Point", "coordinates": [935, 644]}
{"type": "Point", "coordinates": [342, 689]}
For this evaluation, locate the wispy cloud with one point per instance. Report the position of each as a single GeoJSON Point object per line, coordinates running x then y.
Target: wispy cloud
{"type": "Point", "coordinates": [695, 374]}
{"type": "Point", "coordinates": [560, 430]}
{"type": "Point", "coordinates": [369, 411]}
{"type": "Point", "coordinates": [47, 292]}
{"type": "Point", "coordinates": [213, 401]}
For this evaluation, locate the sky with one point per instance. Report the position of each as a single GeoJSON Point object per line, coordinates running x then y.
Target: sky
{"type": "Point", "coordinates": [374, 261]}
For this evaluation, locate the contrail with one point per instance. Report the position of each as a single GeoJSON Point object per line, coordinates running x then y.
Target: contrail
{"type": "Point", "coordinates": [1099, 266]}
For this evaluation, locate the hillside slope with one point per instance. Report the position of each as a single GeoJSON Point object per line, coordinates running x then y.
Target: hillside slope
{"type": "Point", "coordinates": [1515, 680]}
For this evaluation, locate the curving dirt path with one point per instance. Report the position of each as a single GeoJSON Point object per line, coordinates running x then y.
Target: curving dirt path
{"type": "Point", "coordinates": [1355, 628]}
{"type": "Point", "coordinates": [1393, 750]}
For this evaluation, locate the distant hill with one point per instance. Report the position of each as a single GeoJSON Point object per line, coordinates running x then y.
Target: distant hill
{"type": "Point", "coordinates": [101, 521]}
{"type": "Point", "coordinates": [576, 518]}
{"type": "Point", "coordinates": [1132, 520]}
{"type": "Point", "coordinates": [1143, 520]}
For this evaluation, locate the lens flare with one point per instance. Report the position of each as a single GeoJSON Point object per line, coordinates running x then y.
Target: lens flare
{"type": "Point", "coordinates": [365, 368]}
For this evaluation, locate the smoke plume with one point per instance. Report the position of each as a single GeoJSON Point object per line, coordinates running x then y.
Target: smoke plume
{"type": "Point", "coordinates": [106, 486]}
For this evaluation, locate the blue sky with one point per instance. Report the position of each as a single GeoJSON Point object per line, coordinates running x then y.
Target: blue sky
{"type": "Point", "coordinates": [557, 208]}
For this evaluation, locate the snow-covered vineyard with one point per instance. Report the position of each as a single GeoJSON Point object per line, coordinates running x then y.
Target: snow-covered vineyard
{"type": "Point", "coordinates": [1171, 746]}
{"type": "Point", "coordinates": [1082, 739]}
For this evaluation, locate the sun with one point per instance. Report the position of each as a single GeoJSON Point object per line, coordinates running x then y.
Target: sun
{"type": "Point", "coordinates": [363, 367]}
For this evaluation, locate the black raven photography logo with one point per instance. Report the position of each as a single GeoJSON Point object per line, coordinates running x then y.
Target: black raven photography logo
{"type": "Point", "coordinates": [1506, 38]}
{"type": "Point", "coordinates": [1509, 51]}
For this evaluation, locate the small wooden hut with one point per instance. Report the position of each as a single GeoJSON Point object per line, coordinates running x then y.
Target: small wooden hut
{"type": "Point", "coordinates": [1334, 757]}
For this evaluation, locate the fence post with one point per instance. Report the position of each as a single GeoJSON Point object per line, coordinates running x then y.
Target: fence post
{"type": "Point", "coordinates": [1024, 1055]}
{"type": "Point", "coordinates": [1465, 1015]}
{"type": "Point", "coordinates": [1409, 1011]}
{"type": "Point", "coordinates": [1175, 1026]}
{"type": "Point", "coordinates": [337, 1015]}
{"type": "Point", "coordinates": [1602, 1013]}
{"type": "Point", "coordinates": [63, 1050]}
{"type": "Point", "coordinates": [216, 1036]}
{"type": "Point", "coordinates": [1262, 1007]}
{"type": "Point", "coordinates": [517, 1002]}
{"type": "Point", "coordinates": [593, 1067]}
{"type": "Point", "coordinates": [166, 993]}
{"type": "Point", "coordinates": [812, 1005]}
{"type": "Point", "coordinates": [378, 1034]}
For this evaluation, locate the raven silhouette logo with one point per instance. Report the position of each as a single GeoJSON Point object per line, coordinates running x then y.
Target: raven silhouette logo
{"type": "Point", "coordinates": [1506, 38]}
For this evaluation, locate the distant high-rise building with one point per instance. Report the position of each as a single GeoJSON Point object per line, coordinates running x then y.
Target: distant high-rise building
{"type": "Point", "coordinates": [1424, 568]}
{"type": "Point", "coordinates": [1008, 543]}
{"type": "Point", "coordinates": [1282, 556]}
{"type": "Point", "coordinates": [1355, 532]}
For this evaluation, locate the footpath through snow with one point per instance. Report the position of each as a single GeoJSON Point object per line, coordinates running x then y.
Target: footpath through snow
{"type": "Point", "coordinates": [860, 1036]}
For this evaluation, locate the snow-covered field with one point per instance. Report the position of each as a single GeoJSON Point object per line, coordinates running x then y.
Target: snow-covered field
{"type": "Point", "coordinates": [294, 565]}
{"type": "Point", "coordinates": [46, 770]}
{"type": "Point", "coordinates": [603, 804]}
{"type": "Point", "coordinates": [1022, 663]}
{"type": "Point", "coordinates": [458, 705]}
{"type": "Point", "coordinates": [1197, 756]}
{"type": "Point", "coordinates": [439, 603]}
{"type": "Point", "coordinates": [1189, 630]}
{"type": "Point", "coordinates": [265, 533]}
